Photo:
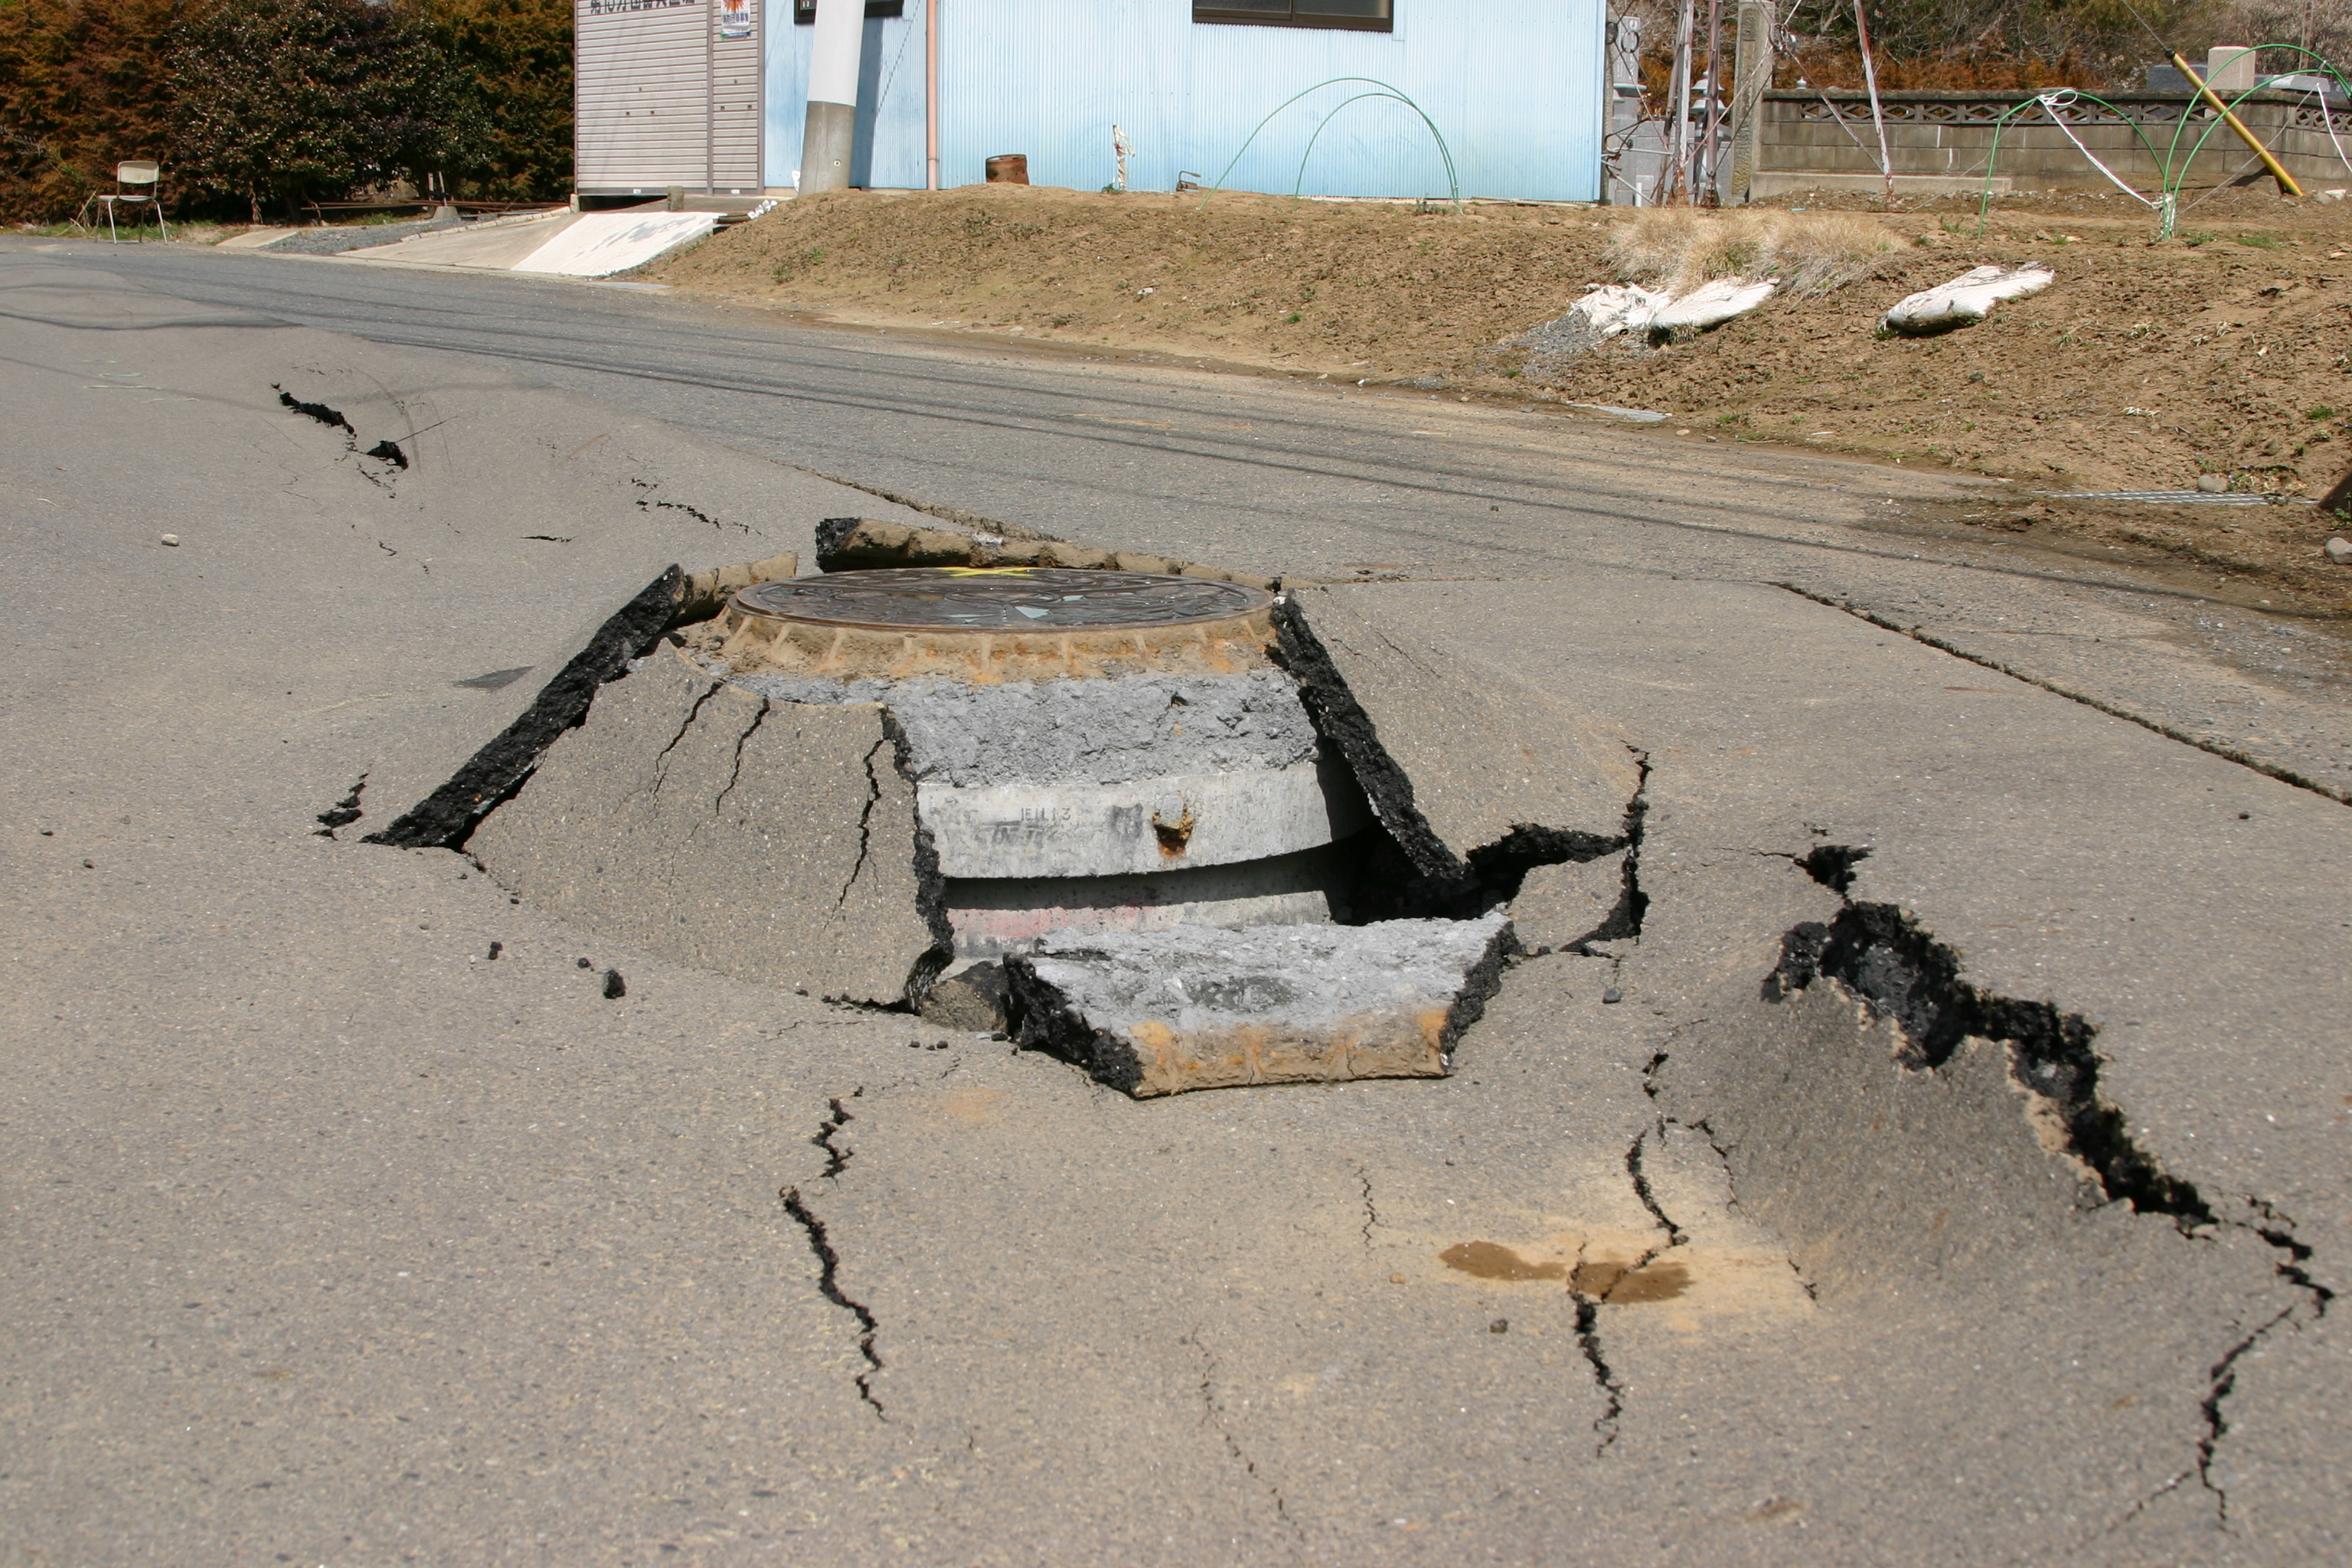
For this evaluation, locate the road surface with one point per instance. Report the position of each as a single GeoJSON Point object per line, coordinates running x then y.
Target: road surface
{"type": "Point", "coordinates": [352, 1219]}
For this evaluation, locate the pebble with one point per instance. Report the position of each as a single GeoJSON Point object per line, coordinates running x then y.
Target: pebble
{"type": "Point", "coordinates": [2213, 484]}
{"type": "Point", "coordinates": [1500, 1326]}
{"type": "Point", "coordinates": [1613, 995]}
{"type": "Point", "coordinates": [172, 540]}
{"type": "Point", "coordinates": [2340, 551]}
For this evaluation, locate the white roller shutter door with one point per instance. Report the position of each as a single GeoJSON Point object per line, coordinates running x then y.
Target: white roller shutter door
{"type": "Point", "coordinates": [662, 97]}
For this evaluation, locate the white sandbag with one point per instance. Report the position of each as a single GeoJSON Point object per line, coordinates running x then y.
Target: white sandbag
{"type": "Point", "coordinates": [1712, 303]}
{"type": "Point", "coordinates": [1965, 301]}
{"type": "Point", "coordinates": [1614, 308]}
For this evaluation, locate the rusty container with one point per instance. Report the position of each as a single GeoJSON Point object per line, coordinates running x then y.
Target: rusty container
{"type": "Point", "coordinates": [1009, 169]}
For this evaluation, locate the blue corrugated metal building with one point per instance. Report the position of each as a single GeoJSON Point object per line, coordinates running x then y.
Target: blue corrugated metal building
{"type": "Point", "coordinates": [1517, 89]}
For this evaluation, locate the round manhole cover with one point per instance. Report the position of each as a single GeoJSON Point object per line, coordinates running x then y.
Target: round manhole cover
{"type": "Point", "coordinates": [1018, 599]}
{"type": "Point", "coordinates": [995, 623]}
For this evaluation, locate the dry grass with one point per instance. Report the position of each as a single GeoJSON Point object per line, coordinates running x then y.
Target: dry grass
{"type": "Point", "coordinates": [1677, 248]}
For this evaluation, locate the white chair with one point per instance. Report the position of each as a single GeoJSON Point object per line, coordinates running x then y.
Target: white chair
{"type": "Point", "coordinates": [144, 171]}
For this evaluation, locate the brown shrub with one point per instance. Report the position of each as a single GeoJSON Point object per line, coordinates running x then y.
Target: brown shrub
{"type": "Point", "coordinates": [1676, 249]}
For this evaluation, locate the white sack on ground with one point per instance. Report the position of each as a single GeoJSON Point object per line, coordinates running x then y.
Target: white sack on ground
{"type": "Point", "coordinates": [1712, 304]}
{"type": "Point", "coordinates": [1965, 301]}
{"type": "Point", "coordinates": [1614, 308]}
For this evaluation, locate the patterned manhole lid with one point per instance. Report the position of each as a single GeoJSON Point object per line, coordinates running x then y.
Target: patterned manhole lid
{"type": "Point", "coordinates": [1019, 598]}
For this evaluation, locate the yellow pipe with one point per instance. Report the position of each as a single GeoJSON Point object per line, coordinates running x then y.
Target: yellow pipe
{"type": "Point", "coordinates": [2277, 170]}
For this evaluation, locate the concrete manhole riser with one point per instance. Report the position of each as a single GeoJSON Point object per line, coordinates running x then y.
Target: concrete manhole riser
{"type": "Point", "coordinates": [855, 784]}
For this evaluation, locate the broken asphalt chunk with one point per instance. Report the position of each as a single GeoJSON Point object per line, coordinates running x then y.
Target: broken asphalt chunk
{"type": "Point", "coordinates": [1162, 1012]}
{"type": "Point", "coordinates": [1452, 756]}
{"type": "Point", "coordinates": [775, 842]}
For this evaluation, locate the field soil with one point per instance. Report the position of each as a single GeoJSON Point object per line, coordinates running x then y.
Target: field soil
{"type": "Point", "coordinates": [2223, 352]}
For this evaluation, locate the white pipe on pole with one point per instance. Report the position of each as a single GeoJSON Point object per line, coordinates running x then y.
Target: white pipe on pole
{"type": "Point", "coordinates": [829, 136]}
{"type": "Point", "coordinates": [931, 90]}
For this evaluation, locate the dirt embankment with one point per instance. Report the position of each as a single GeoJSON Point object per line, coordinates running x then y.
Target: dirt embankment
{"type": "Point", "coordinates": [2226, 352]}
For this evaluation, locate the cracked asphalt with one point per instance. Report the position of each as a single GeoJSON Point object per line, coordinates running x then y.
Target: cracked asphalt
{"type": "Point", "coordinates": [352, 1218]}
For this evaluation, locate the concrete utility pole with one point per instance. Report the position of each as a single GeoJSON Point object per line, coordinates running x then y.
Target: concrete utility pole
{"type": "Point", "coordinates": [830, 135]}
{"type": "Point", "coordinates": [1752, 75]}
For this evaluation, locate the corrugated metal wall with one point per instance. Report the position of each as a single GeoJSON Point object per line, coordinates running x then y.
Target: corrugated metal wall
{"type": "Point", "coordinates": [1516, 88]}
{"type": "Point", "coordinates": [661, 97]}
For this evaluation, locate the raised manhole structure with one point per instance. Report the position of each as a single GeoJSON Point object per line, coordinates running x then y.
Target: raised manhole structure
{"type": "Point", "coordinates": [1090, 750]}
{"type": "Point", "coordinates": [1078, 783]}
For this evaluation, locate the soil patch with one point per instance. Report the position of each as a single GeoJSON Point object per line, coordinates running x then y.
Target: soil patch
{"type": "Point", "coordinates": [2223, 352]}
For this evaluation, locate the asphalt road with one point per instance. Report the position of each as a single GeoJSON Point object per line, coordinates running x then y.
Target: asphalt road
{"type": "Point", "coordinates": [1291, 479]}
{"type": "Point", "coordinates": [350, 1216]}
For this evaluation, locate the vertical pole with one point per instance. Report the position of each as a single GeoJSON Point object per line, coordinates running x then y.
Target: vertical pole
{"type": "Point", "coordinates": [829, 137]}
{"type": "Point", "coordinates": [931, 89]}
{"type": "Point", "coordinates": [1751, 73]}
{"type": "Point", "coordinates": [711, 98]}
{"type": "Point", "coordinates": [1877, 114]}
{"type": "Point", "coordinates": [1676, 180]}
{"type": "Point", "coordinates": [1709, 148]}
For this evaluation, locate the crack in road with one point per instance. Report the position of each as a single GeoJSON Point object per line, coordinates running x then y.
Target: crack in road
{"type": "Point", "coordinates": [2113, 711]}
{"type": "Point", "coordinates": [736, 775]}
{"type": "Point", "coordinates": [661, 758]}
{"type": "Point", "coordinates": [865, 821]}
{"type": "Point", "coordinates": [828, 1258]}
{"type": "Point", "coordinates": [1212, 1414]}
{"type": "Point", "coordinates": [1605, 1376]}
{"type": "Point", "coordinates": [344, 811]}
{"type": "Point", "coordinates": [1674, 1233]}
{"type": "Point", "coordinates": [1882, 957]}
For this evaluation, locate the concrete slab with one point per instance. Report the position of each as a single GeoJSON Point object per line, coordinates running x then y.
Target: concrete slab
{"type": "Point", "coordinates": [1419, 724]}
{"type": "Point", "coordinates": [1108, 777]}
{"type": "Point", "coordinates": [993, 917]}
{"type": "Point", "coordinates": [773, 842]}
{"type": "Point", "coordinates": [597, 245]}
{"type": "Point", "coordinates": [1196, 1008]}
{"type": "Point", "coordinates": [497, 245]}
{"type": "Point", "coordinates": [255, 239]}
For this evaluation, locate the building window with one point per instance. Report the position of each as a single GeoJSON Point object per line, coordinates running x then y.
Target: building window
{"type": "Point", "coordinates": [805, 11]}
{"type": "Point", "coordinates": [1362, 15]}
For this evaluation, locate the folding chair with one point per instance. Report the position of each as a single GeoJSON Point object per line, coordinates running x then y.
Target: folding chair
{"type": "Point", "coordinates": [137, 172]}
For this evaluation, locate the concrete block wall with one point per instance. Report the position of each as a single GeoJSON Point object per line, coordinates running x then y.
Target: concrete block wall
{"type": "Point", "coordinates": [1951, 135]}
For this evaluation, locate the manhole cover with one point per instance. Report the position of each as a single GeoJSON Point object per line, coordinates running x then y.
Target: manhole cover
{"type": "Point", "coordinates": [997, 624]}
{"type": "Point", "coordinates": [966, 599]}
